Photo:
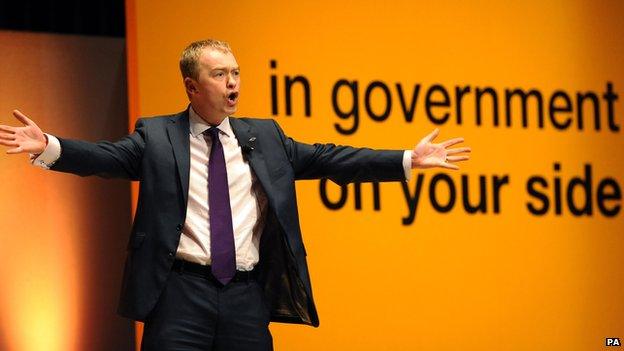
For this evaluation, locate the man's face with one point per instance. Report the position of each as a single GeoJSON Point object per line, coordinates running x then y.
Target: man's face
{"type": "Point", "coordinates": [214, 95]}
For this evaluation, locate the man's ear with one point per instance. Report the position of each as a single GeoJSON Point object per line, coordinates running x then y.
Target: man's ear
{"type": "Point", "coordinates": [190, 85]}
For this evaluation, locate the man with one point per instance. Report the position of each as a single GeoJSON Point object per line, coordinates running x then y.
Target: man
{"type": "Point", "coordinates": [215, 251]}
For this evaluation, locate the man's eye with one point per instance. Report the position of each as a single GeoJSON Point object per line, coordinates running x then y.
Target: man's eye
{"type": "Point", "coordinates": [236, 73]}
{"type": "Point", "coordinates": [219, 74]}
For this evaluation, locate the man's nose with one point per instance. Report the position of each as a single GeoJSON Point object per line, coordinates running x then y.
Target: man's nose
{"type": "Point", "coordinates": [231, 83]}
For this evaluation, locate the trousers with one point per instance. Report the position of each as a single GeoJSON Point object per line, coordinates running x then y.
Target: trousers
{"type": "Point", "coordinates": [194, 313]}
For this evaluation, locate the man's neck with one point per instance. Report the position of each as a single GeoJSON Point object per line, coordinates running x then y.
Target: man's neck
{"type": "Point", "coordinates": [207, 117]}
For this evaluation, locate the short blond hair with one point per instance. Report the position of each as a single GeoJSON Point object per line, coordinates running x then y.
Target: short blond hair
{"type": "Point", "coordinates": [189, 60]}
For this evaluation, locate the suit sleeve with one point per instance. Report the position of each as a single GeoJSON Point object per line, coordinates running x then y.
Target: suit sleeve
{"type": "Point", "coordinates": [342, 164]}
{"type": "Point", "coordinates": [120, 159]}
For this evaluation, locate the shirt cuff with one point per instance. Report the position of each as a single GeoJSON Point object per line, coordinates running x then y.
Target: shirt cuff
{"type": "Point", "coordinates": [407, 163]}
{"type": "Point", "coordinates": [50, 155]}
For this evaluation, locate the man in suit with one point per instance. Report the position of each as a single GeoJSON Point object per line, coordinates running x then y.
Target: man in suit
{"type": "Point", "coordinates": [215, 251]}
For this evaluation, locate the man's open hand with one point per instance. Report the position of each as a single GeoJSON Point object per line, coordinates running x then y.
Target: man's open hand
{"type": "Point", "coordinates": [28, 138]}
{"type": "Point", "coordinates": [427, 154]}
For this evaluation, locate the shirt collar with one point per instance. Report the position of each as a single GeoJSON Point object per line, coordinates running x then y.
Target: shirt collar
{"type": "Point", "coordinates": [199, 126]}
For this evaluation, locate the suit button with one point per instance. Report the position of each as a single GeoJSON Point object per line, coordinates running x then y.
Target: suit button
{"type": "Point", "coordinates": [170, 254]}
{"type": "Point", "coordinates": [179, 227]}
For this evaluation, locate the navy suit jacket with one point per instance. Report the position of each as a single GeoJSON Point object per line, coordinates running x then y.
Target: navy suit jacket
{"type": "Point", "coordinates": [157, 154]}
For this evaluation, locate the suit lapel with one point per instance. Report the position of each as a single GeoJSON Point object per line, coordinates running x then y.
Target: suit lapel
{"type": "Point", "coordinates": [247, 138]}
{"type": "Point", "coordinates": [178, 131]}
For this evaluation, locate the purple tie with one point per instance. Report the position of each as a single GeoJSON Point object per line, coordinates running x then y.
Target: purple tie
{"type": "Point", "coordinates": [222, 250]}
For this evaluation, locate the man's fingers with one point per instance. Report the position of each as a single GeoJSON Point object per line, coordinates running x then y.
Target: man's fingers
{"type": "Point", "coordinates": [458, 150]}
{"type": "Point", "coordinates": [7, 129]}
{"type": "Point", "coordinates": [22, 118]}
{"type": "Point", "coordinates": [452, 142]}
{"type": "Point", "coordinates": [7, 136]}
{"type": "Point", "coordinates": [456, 158]}
{"type": "Point", "coordinates": [16, 150]}
{"type": "Point", "coordinates": [429, 138]}
{"type": "Point", "coordinates": [8, 142]}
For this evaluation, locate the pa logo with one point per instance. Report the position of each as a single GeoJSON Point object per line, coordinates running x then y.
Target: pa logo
{"type": "Point", "coordinates": [613, 342]}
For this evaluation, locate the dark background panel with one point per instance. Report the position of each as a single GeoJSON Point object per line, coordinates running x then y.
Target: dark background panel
{"type": "Point", "coordinates": [97, 17]}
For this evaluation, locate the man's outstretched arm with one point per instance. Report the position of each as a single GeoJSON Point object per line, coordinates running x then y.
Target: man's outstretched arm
{"type": "Point", "coordinates": [345, 164]}
{"type": "Point", "coordinates": [120, 159]}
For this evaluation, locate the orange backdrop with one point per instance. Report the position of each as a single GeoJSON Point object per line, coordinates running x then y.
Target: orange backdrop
{"type": "Point", "coordinates": [499, 279]}
{"type": "Point", "coordinates": [63, 237]}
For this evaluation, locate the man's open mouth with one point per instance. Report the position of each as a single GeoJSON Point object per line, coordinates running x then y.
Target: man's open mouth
{"type": "Point", "coordinates": [232, 97]}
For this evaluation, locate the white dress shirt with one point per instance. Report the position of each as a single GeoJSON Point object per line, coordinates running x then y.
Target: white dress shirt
{"type": "Point", "coordinates": [247, 199]}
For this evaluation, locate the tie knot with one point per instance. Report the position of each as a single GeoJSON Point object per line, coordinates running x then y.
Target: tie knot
{"type": "Point", "coordinates": [214, 133]}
